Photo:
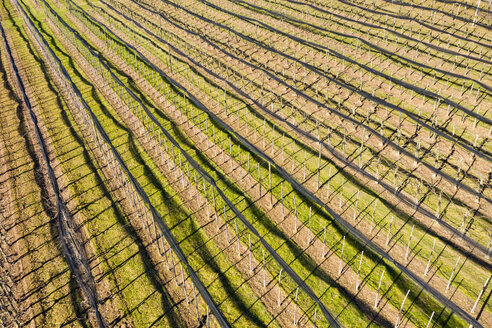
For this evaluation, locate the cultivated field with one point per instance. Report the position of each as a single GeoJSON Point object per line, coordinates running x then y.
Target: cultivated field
{"type": "Point", "coordinates": [245, 163]}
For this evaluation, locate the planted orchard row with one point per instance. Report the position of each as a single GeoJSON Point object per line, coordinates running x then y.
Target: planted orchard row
{"type": "Point", "coordinates": [450, 263]}
{"type": "Point", "coordinates": [71, 245]}
{"type": "Point", "coordinates": [419, 17]}
{"type": "Point", "coordinates": [300, 14]}
{"type": "Point", "coordinates": [459, 223]}
{"type": "Point", "coordinates": [268, 28]}
{"type": "Point", "coordinates": [428, 165]}
{"type": "Point", "coordinates": [133, 195]}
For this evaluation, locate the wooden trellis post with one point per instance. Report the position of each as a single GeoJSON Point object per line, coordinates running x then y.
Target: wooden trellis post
{"type": "Point", "coordinates": [341, 257]}
{"type": "Point", "coordinates": [283, 144]}
{"type": "Point", "coordinates": [408, 245]}
{"type": "Point", "coordinates": [295, 214]}
{"type": "Point", "coordinates": [295, 307]}
{"type": "Point", "coordinates": [389, 231]}
{"type": "Point", "coordinates": [238, 241]}
{"type": "Point", "coordinates": [230, 150]}
{"type": "Point", "coordinates": [304, 165]}
{"type": "Point", "coordinates": [356, 205]}
{"type": "Point", "coordinates": [225, 223]}
{"type": "Point", "coordinates": [282, 198]}
{"type": "Point", "coordinates": [373, 215]}
{"type": "Point", "coordinates": [398, 318]}
{"type": "Point", "coordinates": [196, 302]}
{"type": "Point", "coordinates": [480, 295]}
{"type": "Point", "coordinates": [249, 169]}
{"type": "Point", "coordinates": [174, 267]}
{"type": "Point", "coordinates": [324, 243]}
{"type": "Point", "coordinates": [430, 257]}
{"type": "Point", "coordinates": [270, 182]}
{"type": "Point", "coordinates": [430, 320]}
{"type": "Point", "coordinates": [309, 227]}
{"type": "Point", "coordinates": [358, 271]}
{"type": "Point", "coordinates": [452, 274]}
{"type": "Point", "coordinates": [264, 272]}
{"type": "Point", "coordinates": [184, 284]}
{"type": "Point", "coordinates": [319, 167]}
{"type": "Point", "coordinates": [249, 246]}
{"type": "Point", "coordinates": [376, 301]}
{"type": "Point", "coordinates": [259, 178]}
{"type": "Point", "coordinates": [279, 287]}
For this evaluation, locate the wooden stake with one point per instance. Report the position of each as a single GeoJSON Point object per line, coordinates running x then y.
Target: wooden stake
{"type": "Point", "coordinates": [279, 288]}
{"type": "Point", "coordinates": [324, 242]}
{"type": "Point", "coordinates": [319, 166]}
{"type": "Point", "coordinates": [430, 320]}
{"type": "Point", "coordinates": [238, 241]}
{"type": "Point", "coordinates": [480, 294]}
{"type": "Point", "coordinates": [429, 261]}
{"type": "Point", "coordinates": [295, 307]}
{"type": "Point", "coordinates": [341, 257]}
{"type": "Point", "coordinates": [196, 302]}
{"type": "Point", "coordinates": [376, 301]}
{"type": "Point", "coordinates": [401, 308]}
{"type": "Point", "coordinates": [270, 182]}
{"type": "Point", "coordinates": [225, 223]}
{"type": "Point", "coordinates": [259, 178]}
{"type": "Point", "coordinates": [184, 284]}
{"type": "Point", "coordinates": [295, 214]}
{"type": "Point", "coordinates": [264, 272]}
{"type": "Point", "coordinates": [389, 231]}
{"type": "Point", "coordinates": [309, 226]}
{"type": "Point", "coordinates": [408, 245]}
{"type": "Point", "coordinates": [282, 198]}
{"type": "Point", "coordinates": [358, 271]}
{"type": "Point", "coordinates": [249, 244]}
